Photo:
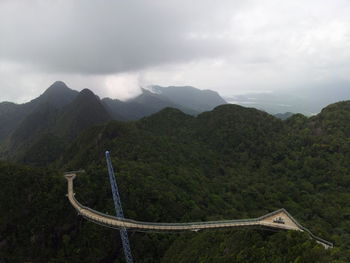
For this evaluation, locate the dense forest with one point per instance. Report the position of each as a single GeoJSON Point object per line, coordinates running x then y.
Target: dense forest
{"type": "Point", "coordinates": [229, 163]}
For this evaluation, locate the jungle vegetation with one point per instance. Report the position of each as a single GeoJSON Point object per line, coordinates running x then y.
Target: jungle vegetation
{"type": "Point", "coordinates": [229, 163]}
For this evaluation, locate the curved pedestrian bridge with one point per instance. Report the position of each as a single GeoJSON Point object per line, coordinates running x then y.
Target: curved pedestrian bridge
{"type": "Point", "coordinates": [278, 220]}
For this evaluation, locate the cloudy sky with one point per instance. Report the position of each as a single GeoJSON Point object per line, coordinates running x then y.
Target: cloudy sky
{"type": "Point", "coordinates": [114, 47]}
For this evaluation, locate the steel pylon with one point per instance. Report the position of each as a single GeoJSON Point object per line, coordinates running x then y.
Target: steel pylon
{"type": "Point", "coordinates": [118, 209]}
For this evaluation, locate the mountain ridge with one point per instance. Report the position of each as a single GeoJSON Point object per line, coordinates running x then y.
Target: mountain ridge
{"type": "Point", "coordinates": [60, 112]}
{"type": "Point", "coordinates": [229, 163]}
{"type": "Point", "coordinates": [188, 96]}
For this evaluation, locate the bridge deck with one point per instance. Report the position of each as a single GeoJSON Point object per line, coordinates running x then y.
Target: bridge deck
{"type": "Point", "coordinates": [279, 219]}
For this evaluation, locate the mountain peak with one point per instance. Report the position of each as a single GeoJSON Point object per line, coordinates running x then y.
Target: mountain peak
{"type": "Point", "coordinates": [88, 95]}
{"type": "Point", "coordinates": [58, 84]}
{"type": "Point", "coordinates": [86, 100]}
{"type": "Point", "coordinates": [57, 87]}
{"type": "Point", "coordinates": [87, 92]}
{"type": "Point", "coordinates": [58, 95]}
{"type": "Point", "coordinates": [85, 111]}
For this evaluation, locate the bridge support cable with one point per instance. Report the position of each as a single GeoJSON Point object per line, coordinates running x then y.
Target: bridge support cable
{"type": "Point", "coordinates": [118, 209]}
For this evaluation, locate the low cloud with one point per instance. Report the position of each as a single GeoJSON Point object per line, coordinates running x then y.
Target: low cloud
{"type": "Point", "coordinates": [114, 47]}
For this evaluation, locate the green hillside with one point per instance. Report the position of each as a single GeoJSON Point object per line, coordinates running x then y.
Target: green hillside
{"type": "Point", "coordinates": [14, 117]}
{"type": "Point", "coordinates": [229, 163]}
{"type": "Point", "coordinates": [60, 114]}
{"type": "Point", "coordinates": [45, 132]}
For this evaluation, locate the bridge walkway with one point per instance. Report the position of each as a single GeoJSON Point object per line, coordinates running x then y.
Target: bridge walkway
{"type": "Point", "coordinates": [279, 220]}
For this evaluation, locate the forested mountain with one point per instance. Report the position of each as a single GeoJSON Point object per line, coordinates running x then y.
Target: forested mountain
{"type": "Point", "coordinates": [11, 115]}
{"type": "Point", "coordinates": [230, 163]}
{"type": "Point", "coordinates": [57, 95]}
{"type": "Point", "coordinates": [85, 111]}
{"type": "Point", "coordinates": [53, 123]}
{"type": "Point", "coordinates": [61, 113]}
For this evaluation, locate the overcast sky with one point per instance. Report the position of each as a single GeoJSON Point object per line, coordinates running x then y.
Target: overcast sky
{"type": "Point", "coordinates": [114, 47]}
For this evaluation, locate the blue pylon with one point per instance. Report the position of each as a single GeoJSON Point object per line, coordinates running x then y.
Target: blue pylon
{"type": "Point", "coordinates": [118, 209]}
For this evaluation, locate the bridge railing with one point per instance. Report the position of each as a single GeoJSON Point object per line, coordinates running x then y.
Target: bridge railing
{"type": "Point", "coordinates": [141, 223]}
{"type": "Point", "coordinates": [250, 220]}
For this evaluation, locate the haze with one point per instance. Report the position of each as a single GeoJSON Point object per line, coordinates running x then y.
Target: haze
{"type": "Point", "coordinates": [233, 47]}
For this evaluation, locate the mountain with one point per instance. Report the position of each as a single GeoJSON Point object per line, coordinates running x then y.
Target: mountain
{"type": "Point", "coordinates": [143, 105]}
{"type": "Point", "coordinates": [38, 122]}
{"type": "Point", "coordinates": [85, 111]}
{"type": "Point", "coordinates": [12, 115]}
{"type": "Point", "coordinates": [57, 95]}
{"type": "Point", "coordinates": [284, 116]}
{"type": "Point", "coordinates": [190, 97]}
{"type": "Point", "coordinates": [50, 141]}
{"type": "Point", "coordinates": [187, 99]}
{"type": "Point", "coordinates": [334, 119]}
{"type": "Point", "coordinates": [54, 119]}
{"type": "Point", "coordinates": [61, 112]}
{"type": "Point", "coordinates": [229, 163]}
{"type": "Point", "coordinates": [117, 109]}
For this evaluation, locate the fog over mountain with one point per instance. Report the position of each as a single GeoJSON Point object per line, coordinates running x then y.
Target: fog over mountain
{"type": "Point", "coordinates": [233, 47]}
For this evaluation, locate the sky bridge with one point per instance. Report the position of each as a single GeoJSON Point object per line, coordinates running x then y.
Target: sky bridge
{"type": "Point", "coordinates": [277, 220]}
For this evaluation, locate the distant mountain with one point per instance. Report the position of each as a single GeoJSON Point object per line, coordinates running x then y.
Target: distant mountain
{"type": "Point", "coordinates": [143, 105]}
{"type": "Point", "coordinates": [85, 111]}
{"type": "Point", "coordinates": [284, 116]}
{"type": "Point", "coordinates": [185, 98]}
{"type": "Point", "coordinates": [190, 97]}
{"type": "Point", "coordinates": [61, 113]}
{"type": "Point", "coordinates": [117, 109]}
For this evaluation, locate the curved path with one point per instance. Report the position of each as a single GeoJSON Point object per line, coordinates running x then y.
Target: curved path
{"type": "Point", "coordinates": [279, 219]}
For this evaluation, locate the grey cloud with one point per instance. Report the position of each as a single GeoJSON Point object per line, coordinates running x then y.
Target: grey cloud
{"type": "Point", "coordinates": [229, 46]}
{"type": "Point", "coordinates": [101, 37]}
